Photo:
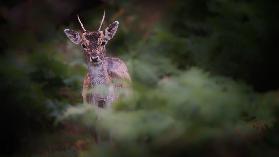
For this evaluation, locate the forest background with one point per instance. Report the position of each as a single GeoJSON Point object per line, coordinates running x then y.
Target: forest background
{"type": "Point", "coordinates": [204, 77]}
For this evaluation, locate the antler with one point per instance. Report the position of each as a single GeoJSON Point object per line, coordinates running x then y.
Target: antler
{"type": "Point", "coordinates": [102, 21]}
{"type": "Point", "coordinates": [81, 24]}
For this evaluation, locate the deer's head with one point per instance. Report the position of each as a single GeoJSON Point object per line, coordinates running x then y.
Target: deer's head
{"type": "Point", "coordinates": [93, 42]}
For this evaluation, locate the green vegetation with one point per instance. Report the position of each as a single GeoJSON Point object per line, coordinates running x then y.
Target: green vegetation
{"type": "Point", "coordinates": [204, 79]}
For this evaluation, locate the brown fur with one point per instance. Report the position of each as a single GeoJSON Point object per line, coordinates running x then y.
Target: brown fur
{"type": "Point", "coordinates": [105, 72]}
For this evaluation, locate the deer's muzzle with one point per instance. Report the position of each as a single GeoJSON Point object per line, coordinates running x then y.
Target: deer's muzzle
{"type": "Point", "coordinates": [95, 59]}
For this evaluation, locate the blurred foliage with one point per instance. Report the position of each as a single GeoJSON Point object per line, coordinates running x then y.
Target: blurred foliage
{"type": "Point", "coordinates": [204, 79]}
{"type": "Point", "coordinates": [190, 109]}
{"type": "Point", "coordinates": [234, 38]}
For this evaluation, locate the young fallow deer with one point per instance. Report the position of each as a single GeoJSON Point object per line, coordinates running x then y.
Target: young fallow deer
{"type": "Point", "coordinates": [106, 75]}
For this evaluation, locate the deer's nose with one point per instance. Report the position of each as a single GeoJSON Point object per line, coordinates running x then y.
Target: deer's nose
{"type": "Point", "coordinates": [94, 58]}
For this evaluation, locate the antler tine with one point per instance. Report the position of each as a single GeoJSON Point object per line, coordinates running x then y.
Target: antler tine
{"type": "Point", "coordinates": [102, 20]}
{"type": "Point", "coordinates": [81, 24]}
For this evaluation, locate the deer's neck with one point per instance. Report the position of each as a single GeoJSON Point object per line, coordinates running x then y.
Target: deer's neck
{"type": "Point", "coordinates": [98, 74]}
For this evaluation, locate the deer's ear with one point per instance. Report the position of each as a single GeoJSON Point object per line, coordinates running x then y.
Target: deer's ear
{"type": "Point", "coordinates": [73, 35]}
{"type": "Point", "coordinates": [111, 30]}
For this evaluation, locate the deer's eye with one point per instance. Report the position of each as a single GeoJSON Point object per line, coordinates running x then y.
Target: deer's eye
{"type": "Point", "coordinates": [103, 43]}
{"type": "Point", "coordinates": [83, 45]}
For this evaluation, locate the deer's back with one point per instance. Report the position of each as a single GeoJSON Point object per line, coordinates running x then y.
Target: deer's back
{"type": "Point", "coordinates": [117, 69]}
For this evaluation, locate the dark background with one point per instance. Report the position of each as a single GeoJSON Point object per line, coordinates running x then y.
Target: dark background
{"type": "Point", "coordinates": [235, 40]}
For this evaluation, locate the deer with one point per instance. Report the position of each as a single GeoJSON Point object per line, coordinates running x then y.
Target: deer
{"type": "Point", "coordinates": [106, 75]}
